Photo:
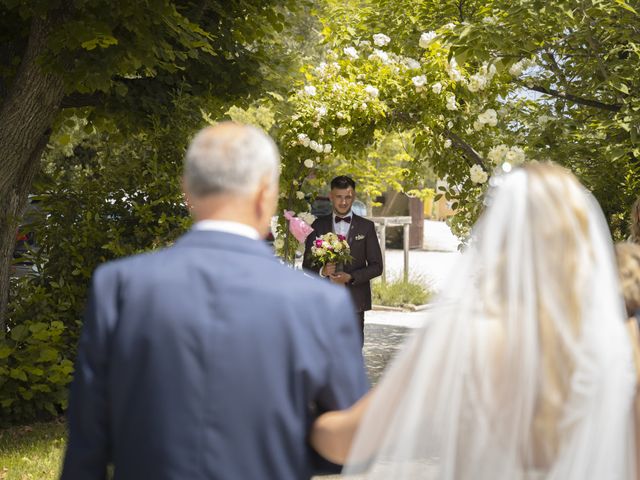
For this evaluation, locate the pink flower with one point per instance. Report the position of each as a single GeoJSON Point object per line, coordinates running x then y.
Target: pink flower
{"type": "Point", "coordinates": [318, 243]}
{"type": "Point", "coordinates": [297, 226]}
{"type": "Point", "coordinates": [341, 238]}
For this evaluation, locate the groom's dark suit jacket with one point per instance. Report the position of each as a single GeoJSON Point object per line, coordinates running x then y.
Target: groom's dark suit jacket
{"type": "Point", "coordinates": [208, 360]}
{"type": "Point", "coordinates": [365, 250]}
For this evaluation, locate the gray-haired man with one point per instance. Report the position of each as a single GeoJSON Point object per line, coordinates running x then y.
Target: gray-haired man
{"type": "Point", "coordinates": [209, 359]}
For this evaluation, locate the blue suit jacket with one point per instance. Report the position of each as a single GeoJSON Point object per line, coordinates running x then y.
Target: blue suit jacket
{"type": "Point", "coordinates": [208, 360]}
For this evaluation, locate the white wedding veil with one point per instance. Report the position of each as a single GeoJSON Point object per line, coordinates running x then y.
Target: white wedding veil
{"type": "Point", "coordinates": [523, 369]}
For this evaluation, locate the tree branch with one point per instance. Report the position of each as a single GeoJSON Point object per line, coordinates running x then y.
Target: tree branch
{"type": "Point", "coordinates": [465, 147]}
{"type": "Point", "coordinates": [77, 100]}
{"type": "Point", "coordinates": [461, 10]}
{"type": "Point", "coordinates": [555, 67]}
{"type": "Point", "coordinates": [575, 99]}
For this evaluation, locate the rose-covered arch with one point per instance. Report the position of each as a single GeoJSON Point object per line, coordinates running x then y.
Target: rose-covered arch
{"type": "Point", "coordinates": [454, 112]}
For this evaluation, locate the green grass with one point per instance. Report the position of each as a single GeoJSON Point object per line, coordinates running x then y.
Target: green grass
{"type": "Point", "coordinates": [32, 452]}
{"type": "Point", "coordinates": [398, 293]}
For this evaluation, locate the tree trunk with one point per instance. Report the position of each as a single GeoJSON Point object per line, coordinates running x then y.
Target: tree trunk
{"type": "Point", "coordinates": [26, 116]}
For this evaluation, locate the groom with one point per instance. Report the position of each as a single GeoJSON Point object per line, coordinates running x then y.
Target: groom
{"type": "Point", "coordinates": [209, 359]}
{"type": "Point", "coordinates": [362, 239]}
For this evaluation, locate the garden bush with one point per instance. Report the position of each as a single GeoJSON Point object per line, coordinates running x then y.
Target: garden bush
{"type": "Point", "coordinates": [400, 293]}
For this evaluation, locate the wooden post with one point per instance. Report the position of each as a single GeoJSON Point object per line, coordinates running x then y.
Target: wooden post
{"type": "Point", "coordinates": [405, 238]}
{"type": "Point", "coordinates": [383, 248]}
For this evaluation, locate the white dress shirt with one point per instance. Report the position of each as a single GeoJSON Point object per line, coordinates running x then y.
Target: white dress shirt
{"type": "Point", "coordinates": [342, 228]}
{"type": "Point", "coordinates": [227, 226]}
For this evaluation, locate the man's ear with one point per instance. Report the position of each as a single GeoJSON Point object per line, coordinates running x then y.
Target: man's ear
{"type": "Point", "coordinates": [266, 200]}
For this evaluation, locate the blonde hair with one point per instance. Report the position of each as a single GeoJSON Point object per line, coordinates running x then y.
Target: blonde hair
{"type": "Point", "coordinates": [628, 256]}
{"type": "Point", "coordinates": [559, 207]}
{"type": "Point", "coordinates": [634, 224]}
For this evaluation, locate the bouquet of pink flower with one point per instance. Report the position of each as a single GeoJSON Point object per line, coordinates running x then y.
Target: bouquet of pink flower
{"type": "Point", "coordinates": [330, 248]}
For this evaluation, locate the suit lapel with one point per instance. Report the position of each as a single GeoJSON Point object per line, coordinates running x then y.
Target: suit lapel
{"type": "Point", "coordinates": [353, 228]}
{"type": "Point", "coordinates": [327, 226]}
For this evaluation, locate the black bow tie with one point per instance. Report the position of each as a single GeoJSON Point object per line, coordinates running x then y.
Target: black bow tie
{"type": "Point", "coordinates": [343, 219]}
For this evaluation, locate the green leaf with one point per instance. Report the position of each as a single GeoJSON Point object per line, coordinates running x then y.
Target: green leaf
{"type": "Point", "coordinates": [5, 351]}
{"type": "Point", "coordinates": [19, 333]}
{"type": "Point", "coordinates": [18, 374]}
{"type": "Point", "coordinates": [48, 354]}
{"type": "Point", "coordinates": [626, 6]}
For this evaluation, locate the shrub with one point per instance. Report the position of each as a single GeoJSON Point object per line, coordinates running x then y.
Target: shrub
{"type": "Point", "coordinates": [398, 293]}
{"type": "Point", "coordinates": [101, 201]}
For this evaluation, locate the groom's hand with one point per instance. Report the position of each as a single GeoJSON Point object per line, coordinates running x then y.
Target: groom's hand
{"type": "Point", "coordinates": [341, 277]}
{"type": "Point", "coordinates": [329, 269]}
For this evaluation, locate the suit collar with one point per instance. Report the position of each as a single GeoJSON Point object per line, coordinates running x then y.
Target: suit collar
{"type": "Point", "coordinates": [224, 241]}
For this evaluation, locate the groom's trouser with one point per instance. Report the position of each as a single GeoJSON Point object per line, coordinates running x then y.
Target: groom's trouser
{"type": "Point", "coordinates": [360, 316]}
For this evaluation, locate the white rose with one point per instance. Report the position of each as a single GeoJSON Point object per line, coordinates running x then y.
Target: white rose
{"type": "Point", "coordinates": [427, 38]}
{"type": "Point", "coordinates": [488, 117]}
{"type": "Point", "coordinates": [300, 195]}
{"type": "Point", "coordinates": [419, 81]}
{"type": "Point", "coordinates": [447, 143]}
{"type": "Point", "coordinates": [492, 120]}
{"type": "Point", "coordinates": [372, 91]}
{"type": "Point", "coordinates": [350, 52]}
{"type": "Point", "coordinates": [363, 106]}
{"type": "Point", "coordinates": [321, 111]}
{"type": "Point", "coordinates": [380, 39]}
{"type": "Point", "coordinates": [337, 247]}
{"type": "Point", "coordinates": [477, 82]}
{"type": "Point", "coordinates": [278, 243]}
{"type": "Point", "coordinates": [451, 102]}
{"type": "Point", "coordinates": [336, 87]}
{"type": "Point", "coordinates": [437, 88]}
{"type": "Point", "coordinates": [497, 153]}
{"type": "Point", "coordinates": [303, 139]}
{"type": "Point", "coordinates": [452, 70]}
{"type": "Point", "coordinates": [310, 90]}
{"type": "Point", "coordinates": [342, 131]}
{"type": "Point", "coordinates": [308, 163]}
{"type": "Point", "coordinates": [449, 124]}
{"type": "Point", "coordinates": [307, 217]}
{"type": "Point", "coordinates": [412, 64]}
{"type": "Point", "coordinates": [341, 115]}
{"type": "Point", "coordinates": [449, 26]}
{"type": "Point", "coordinates": [327, 148]}
{"type": "Point", "coordinates": [516, 156]}
{"type": "Point", "coordinates": [313, 145]}
{"type": "Point", "coordinates": [379, 55]}
{"type": "Point", "coordinates": [517, 68]}
{"type": "Point", "coordinates": [477, 126]}
{"type": "Point", "coordinates": [478, 175]}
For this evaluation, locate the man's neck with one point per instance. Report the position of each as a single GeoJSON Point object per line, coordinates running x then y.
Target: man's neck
{"type": "Point", "coordinates": [348, 214]}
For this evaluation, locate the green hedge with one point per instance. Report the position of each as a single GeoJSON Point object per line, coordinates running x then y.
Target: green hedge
{"type": "Point", "coordinates": [99, 201]}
